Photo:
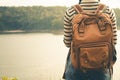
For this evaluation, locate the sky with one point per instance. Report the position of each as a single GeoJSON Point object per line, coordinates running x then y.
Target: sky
{"type": "Point", "coordinates": [111, 3]}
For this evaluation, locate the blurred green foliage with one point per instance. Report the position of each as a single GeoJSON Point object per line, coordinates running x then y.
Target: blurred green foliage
{"type": "Point", "coordinates": [117, 13]}
{"type": "Point", "coordinates": [31, 18]}
{"type": "Point", "coordinates": [35, 18]}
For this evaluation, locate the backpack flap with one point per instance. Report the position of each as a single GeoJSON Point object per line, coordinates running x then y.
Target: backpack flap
{"type": "Point", "coordinates": [94, 56]}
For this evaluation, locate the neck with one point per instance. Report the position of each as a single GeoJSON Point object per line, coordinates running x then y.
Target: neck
{"type": "Point", "coordinates": [90, 0]}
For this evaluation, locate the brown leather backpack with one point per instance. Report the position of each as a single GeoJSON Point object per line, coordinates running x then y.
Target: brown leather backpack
{"type": "Point", "coordinates": [91, 46]}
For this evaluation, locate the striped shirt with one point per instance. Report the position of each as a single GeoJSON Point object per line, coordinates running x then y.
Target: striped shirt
{"type": "Point", "coordinates": [87, 7]}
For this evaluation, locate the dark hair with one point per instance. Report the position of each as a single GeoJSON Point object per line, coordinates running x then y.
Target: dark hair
{"type": "Point", "coordinates": [80, 1]}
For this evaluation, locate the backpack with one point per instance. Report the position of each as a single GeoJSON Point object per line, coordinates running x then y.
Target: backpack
{"type": "Point", "coordinates": [91, 45]}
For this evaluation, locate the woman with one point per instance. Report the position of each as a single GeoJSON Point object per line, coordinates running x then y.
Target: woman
{"type": "Point", "coordinates": [70, 72]}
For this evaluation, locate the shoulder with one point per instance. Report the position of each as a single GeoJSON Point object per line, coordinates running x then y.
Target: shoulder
{"type": "Point", "coordinates": [107, 8]}
{"type": "Point", "coordinates": [70, 13]}
{"type": "Point", "coordinates": [70, 10]}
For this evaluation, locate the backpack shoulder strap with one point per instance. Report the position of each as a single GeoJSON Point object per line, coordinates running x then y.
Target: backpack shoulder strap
{"type": "Point", "coordinates": [78, 8]}
{"type": "Point", "coordinates": [100, 8]}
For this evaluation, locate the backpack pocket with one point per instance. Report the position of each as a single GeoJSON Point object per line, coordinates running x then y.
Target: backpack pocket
{"type": "Point", "coordinates": [93, 56]}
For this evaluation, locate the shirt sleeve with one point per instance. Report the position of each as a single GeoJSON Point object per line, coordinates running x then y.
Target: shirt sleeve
{"type": "Point", "coordinates": [68, 26]}
{"type": "Point", "coordinates": [114, 24]}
